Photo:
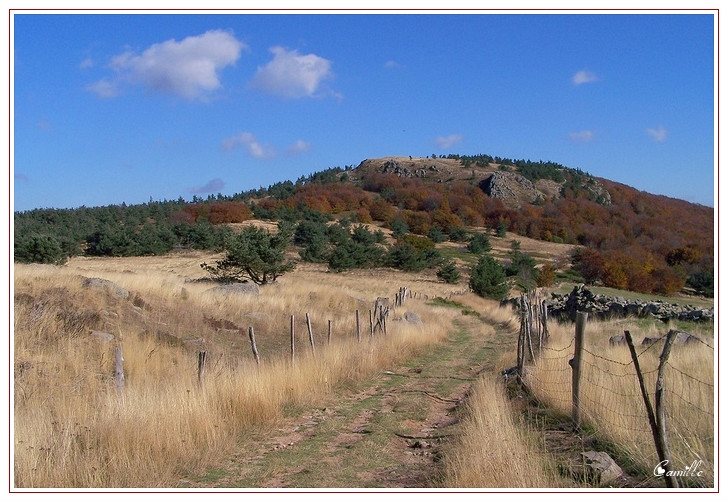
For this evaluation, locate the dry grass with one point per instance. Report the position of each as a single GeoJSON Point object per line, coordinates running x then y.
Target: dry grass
{"type": "Point", "coordinates": [494, 450]}
{"type": "Point", "coordinates": [72, 430]}
{"type": "Point", "coordinates": [612, 403]}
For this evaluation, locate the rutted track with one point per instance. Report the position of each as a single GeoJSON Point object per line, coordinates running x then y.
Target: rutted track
{"type": "Point", "coordinates": [388, 432]}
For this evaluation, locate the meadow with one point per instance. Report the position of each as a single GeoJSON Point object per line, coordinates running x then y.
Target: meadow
{"type": "Point", "coordinates": [72, 428]}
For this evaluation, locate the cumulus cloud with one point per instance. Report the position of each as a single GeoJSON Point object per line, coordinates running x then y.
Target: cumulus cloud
{"type": "Point", "coordinates": [189, 68]}
{"type": "Point", "coordinates": [292, 75]}
{"type": "Point", "coordinates": [583, 77]}
{"type": "Point", "coordinates": [659, 134]}
{"type": "Point", "coordinates": [250, 143]}
{"type": "Point", "coordinates": [214, 185]}
{"type": "Point", "coordinates": [582, 136]}
{"type": "Point", "coordinates": [448, 141]}
{"type": "Point", "coordinates": [299, 146]}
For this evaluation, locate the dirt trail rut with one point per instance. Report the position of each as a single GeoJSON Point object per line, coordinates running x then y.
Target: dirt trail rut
{"type": "Point", "coordinates": [389, 432]}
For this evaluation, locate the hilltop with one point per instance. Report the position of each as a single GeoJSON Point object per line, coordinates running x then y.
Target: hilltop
{"type": "Point", "coordinates": [500, 181]}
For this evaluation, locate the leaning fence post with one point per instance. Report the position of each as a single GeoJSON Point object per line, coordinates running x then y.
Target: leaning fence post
{"type": "Point", "coordinates": [251, 335]}
{"type": "Point", "coordinates": [310, 334]}
{"type": "Point", "coordinates": [119, 370]}
{"type": "Point", "coordinates": [660, 406]}
{"type": "Point", "coordinates": [660, 440]}
{"type": "Point", "coordinates": [575, 364]}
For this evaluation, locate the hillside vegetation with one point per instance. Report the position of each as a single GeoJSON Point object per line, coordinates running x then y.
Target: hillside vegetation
{"type": "Point", "coordinates": [389, 210]}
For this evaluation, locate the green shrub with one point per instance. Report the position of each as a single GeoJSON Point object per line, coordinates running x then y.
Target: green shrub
{"type": "Point", "coordinates": [488, 279]}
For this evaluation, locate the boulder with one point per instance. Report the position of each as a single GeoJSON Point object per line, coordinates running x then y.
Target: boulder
{"type": "Point", "coordinates": [412, 318]}
{"type": "Point", "coordinates": [102, 336]}
{"type": "Point", "coordinates": [617, 340]}
{"type": "Point", "coordinates": [106, 285]}
{"type": "Point", "coordinates": [236, 288]}
{"type": "Point", "coordinates": [600, 468]}
{"type": "Point", "coordinates": [649, 340]}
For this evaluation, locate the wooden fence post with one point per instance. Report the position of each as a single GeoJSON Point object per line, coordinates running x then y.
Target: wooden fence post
{"type": "Point", "coordinates": [521, 346]}
{"type": "Point", "coordinates": [310, 334]}
{"type": "Point", "coordinates": [119, 371]}
{"type": "Point", "coordinates": [293, 339]}
{"type": "Point", "coordinates": [371, 322]}
{"type": "Point", "coordinates": [660, 407]}
{"type": "Point", "coordinates": [575, 363]}
{"type": "Point", "coordinates": [658, 436]}
{"type": "Point", "coordinates": [201, 360]}
{"type": "Point", "coordinates": [251, 335]}
{"type": "Point", "coordinates": [358, 329]}
{"type": "Point", "coordinates": [329, 337]}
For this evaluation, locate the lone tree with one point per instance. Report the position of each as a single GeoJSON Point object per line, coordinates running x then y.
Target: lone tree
{"type": "Point", "coordinates": [254, 254]}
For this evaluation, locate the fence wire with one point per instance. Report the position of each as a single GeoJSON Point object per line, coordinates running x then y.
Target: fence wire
{"type": "Point", "coordinates": [612, 402]}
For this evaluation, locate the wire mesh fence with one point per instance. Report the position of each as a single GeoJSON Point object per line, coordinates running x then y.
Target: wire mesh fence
{"type": "Point", "coordinates": [611, 401]}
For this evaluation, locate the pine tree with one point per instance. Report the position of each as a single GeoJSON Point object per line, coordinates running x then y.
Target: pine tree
{"type": "Point", "coordinates": [488, 279]}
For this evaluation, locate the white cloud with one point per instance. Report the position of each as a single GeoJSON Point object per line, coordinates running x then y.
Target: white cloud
{"type": "Point", "coordinates": [659, 135]}
{"type": "Point", "coordinates": [391, 64]}
{"type": "Point", "coordinates": [292, 75]}
{"type": "Point", "coordinates": [86, 63]}
{"type": "Point", "coordinates": [104, 88]}
{"type": "Point", "coordinates": [582, 136]}
{"type": "Point", "coordinates": [299, 146]}
{"type": "Point", "coordinates": [448, 141]}
{"type": "Point", "coordinates": [583, 77]}
{"type": "Point", "coordinates": [189, 68]}
{"type": "Point", "coordinates": [250, 143]}
{"type": "Point", "coordinates": [214, 185]}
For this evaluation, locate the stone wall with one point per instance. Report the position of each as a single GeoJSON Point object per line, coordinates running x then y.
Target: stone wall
{"type": "Point", "coordinates": [564, 307]}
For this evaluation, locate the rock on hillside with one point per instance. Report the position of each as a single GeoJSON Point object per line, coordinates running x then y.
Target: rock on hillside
{"type": "Point", "coordinates": [506, 184]}
{"type": "Point", "coordinates": [511, 188]}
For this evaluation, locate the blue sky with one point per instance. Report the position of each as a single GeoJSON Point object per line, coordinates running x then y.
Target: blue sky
{"type": "Point", "coordinates": [112, 108]}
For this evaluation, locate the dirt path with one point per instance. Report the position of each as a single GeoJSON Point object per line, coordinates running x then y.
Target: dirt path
{"type": "Point", "coordinates": [387, 433]}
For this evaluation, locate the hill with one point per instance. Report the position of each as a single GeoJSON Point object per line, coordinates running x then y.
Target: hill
{"type": "Point", "coordinates": [621, 237]}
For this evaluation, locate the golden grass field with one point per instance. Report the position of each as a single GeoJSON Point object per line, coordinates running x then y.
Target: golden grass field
{"type": "Point", "coordinates": [72, 429]}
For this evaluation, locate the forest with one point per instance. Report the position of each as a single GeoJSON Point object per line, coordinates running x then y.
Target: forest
{"type": "Point", "coordinates": [638, 241]}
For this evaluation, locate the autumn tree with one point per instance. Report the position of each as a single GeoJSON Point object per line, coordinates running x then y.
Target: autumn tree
{"type": "Point", "coordinates": [589, 263]}
{"type": "Point", "coordinates": [546, 276]}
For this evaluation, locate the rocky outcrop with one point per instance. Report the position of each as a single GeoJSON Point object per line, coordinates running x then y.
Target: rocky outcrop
{"type": "Point", "coordinates": [105, 285]}
{"type": "Point", "coordinates": [513, 189]}
{"type": "Point", "coordinates": [564, 307]}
